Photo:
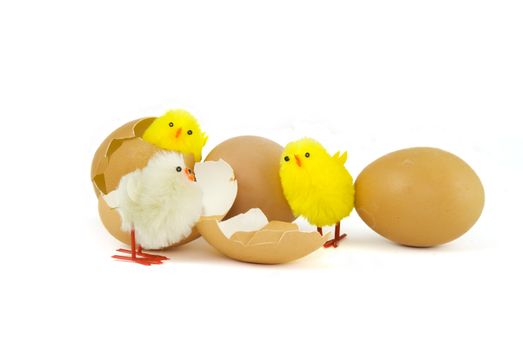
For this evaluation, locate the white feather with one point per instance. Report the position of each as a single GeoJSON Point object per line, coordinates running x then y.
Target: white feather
{"type": "Point", "coordinates": [161, 203]}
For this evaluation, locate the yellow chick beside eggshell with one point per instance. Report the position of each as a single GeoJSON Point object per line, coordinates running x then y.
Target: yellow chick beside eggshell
{"type": "Point", "coordinates": [317, 185]}
{"type": "Point", "coordinates": [177, 130]}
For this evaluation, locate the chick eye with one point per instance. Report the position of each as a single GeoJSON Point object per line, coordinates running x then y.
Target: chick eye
{"type": "Point", "coordinates": [307, 155]}
{"type": "Point", "coordinates": [179, 169]}
{"type": "Point", "coordinates": [189, 132]}
{"type": "Point", "coordinates": [171, 124]}
{"type": "Point", "coordinates": [286, 158]}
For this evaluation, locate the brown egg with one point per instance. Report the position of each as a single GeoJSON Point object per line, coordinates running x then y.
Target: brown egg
{"type": "Point", "coordinates": [256, 163]}
{"type": "Point", "coordinates": [419, 197]}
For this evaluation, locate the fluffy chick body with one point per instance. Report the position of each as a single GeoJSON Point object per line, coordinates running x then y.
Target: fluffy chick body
{"type": "Point", "coordinates": [160, 202]}
{"type": "Point", "coordinates": [316, 184]}
{"type": "Point", "coordinates": [177, 130]}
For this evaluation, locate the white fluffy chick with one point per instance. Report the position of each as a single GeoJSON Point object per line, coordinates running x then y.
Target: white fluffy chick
{"type": "Point", "coordinates": [158, 204]}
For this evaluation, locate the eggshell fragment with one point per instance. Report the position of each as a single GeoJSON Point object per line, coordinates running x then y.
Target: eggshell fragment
{"type": "Point", "coordinates": [419, 197]}
{"type": "Point", "coordinates": [219, 186]}
{"type": "Point", "coordinates": [252, 220]}
{"type": "Point", "coordinates": [122, 152]}
{"type": "Point", "coordinates": [272, 242]}
{"type": "Point", "coordinates": [256, 164]}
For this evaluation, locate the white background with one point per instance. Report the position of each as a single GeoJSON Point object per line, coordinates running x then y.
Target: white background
{"type": "Point", "coordinates": [369, 77]}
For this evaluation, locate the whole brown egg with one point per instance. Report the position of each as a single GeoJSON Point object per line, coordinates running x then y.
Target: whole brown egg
{"type": "Point", "coordinates": [256, 164]}
{"type": "Point", "coordinates": [419, 197]}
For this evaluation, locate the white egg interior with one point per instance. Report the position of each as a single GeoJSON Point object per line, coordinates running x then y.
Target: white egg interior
{"type": "Point", "coordinates": [252, 220]}
{"type": "Point", "coordinates": [219, 187]}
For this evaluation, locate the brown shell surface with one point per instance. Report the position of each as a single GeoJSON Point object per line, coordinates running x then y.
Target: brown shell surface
{"type": "Point", "coordinates": [256, 163]}
{"type": "Point", "coordinates": [276, 243]}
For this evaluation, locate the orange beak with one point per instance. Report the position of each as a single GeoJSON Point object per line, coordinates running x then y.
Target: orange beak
{"type": "Point", "coordinates": [178, 132]}
{"type": "Point", "coordinates": [298, 160]}
{"type": "Point", "coordinates": [190, 175]}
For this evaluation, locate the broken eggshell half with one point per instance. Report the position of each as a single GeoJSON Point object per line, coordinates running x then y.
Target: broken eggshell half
{"type": "Point", "coordinates": [124, 151]}
{"type": "Point", "coordinates": [250, 237]}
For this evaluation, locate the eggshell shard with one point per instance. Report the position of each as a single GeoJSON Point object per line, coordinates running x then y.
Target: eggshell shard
{"type": "Point", "coordinates": [256, 163]}
{"type": "Point", "coordinates": [272, 242]}
{"type": "Point", "coordinates": [252, 220]}
{"type": "Point", "coordinates": [419, 197]}
{"type": "Point", "coordinates": [219, 186]}
{"type": "Point", "coordinates": [122, 152]}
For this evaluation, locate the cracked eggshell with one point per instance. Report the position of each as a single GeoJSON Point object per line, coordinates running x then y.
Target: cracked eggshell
{"type": "Point", "coordinates": [256, 164]}
{"type": "Point", "coordinates": [219, 187]}
{"type": "Point", "coordinates": [124, 151]}
{"type": "Point", "coordinates": [250, 237]}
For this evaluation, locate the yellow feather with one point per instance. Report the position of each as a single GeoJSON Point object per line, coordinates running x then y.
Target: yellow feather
{"type": "Point", "coordinates": [177, 130]}
{"type": "Point", "coordinates": [316, 185]}
{"type": "Point", "coordinates": [342, 159]}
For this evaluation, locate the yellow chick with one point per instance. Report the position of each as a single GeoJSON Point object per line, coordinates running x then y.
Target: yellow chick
{"type": "Point", "coordinates": [317, 185]}
{"type": "Point", "coordinates": [177, 130]}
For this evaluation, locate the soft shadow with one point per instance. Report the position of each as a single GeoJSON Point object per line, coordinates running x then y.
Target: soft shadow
{"type": "Point", "coordinates": [369, 240]}
{"type": "Point", "coordinates": [197, 251]}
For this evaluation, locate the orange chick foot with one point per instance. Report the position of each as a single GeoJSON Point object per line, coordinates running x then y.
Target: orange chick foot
{"type": "Point", "coordinates": [139, 260]}
{"type": "Point", "coordinates": [334, 242]}
{"type": "Point", "coordinates": [144, 255]}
